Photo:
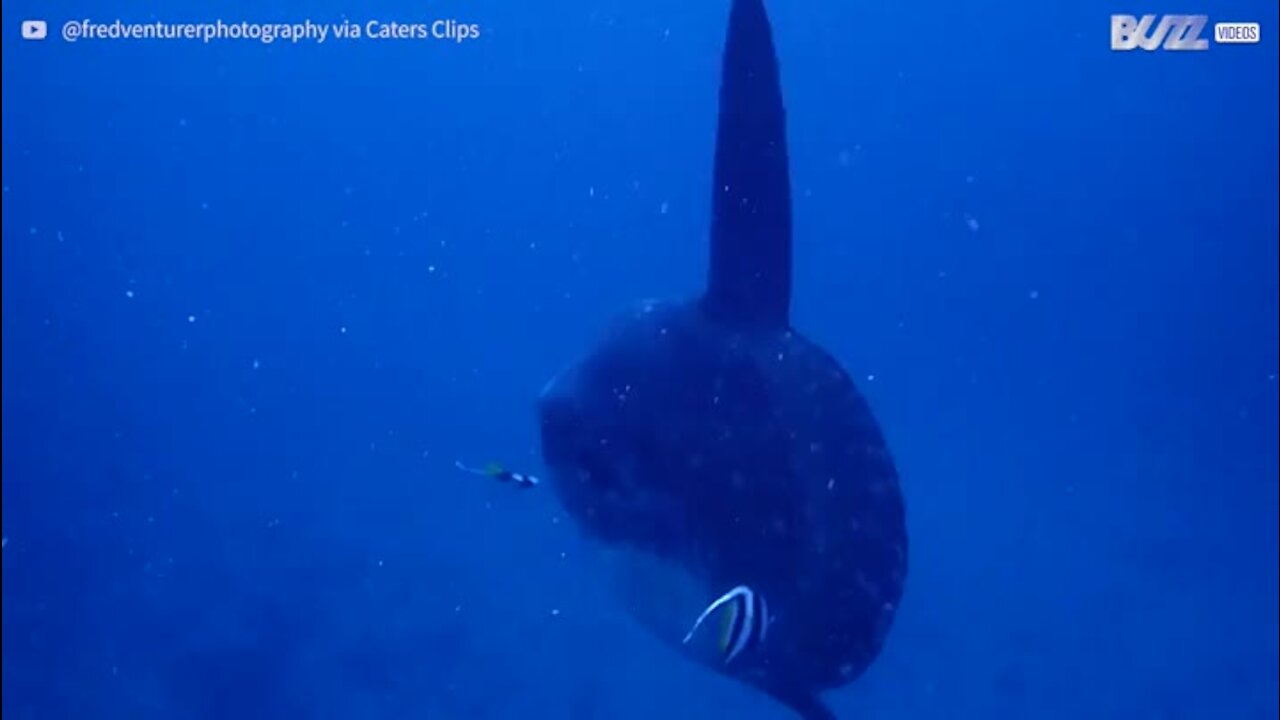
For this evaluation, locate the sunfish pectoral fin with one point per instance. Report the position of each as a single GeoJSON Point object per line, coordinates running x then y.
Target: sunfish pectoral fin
{"type": "Point", "coordinates": [749, 282]}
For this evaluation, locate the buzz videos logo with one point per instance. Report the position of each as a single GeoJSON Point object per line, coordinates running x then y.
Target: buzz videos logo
{"type": "Point", "coordinates": [1177, 32]}
{"type": "Point", "coordinates": [34, 29]}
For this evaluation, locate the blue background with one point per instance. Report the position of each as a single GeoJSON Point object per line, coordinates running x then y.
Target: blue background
{"type": "Point", "coordinates": [257, 299]}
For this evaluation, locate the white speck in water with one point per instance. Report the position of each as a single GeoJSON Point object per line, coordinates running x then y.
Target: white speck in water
{"type": "Point", "coordinates": [871, 378]}
{"type": "Point", "coordinates": [555, 612]}
{"type": "Point", "coordinates": [343, 329]}
{"type": "Point", "coordinates": [128, 294]}
{"type": "Point", "coordinates": [379, 563]}
{"type": "Point", "coordinates": [844, 158]}
{"type": "Point", "coordinates": [1272, 377]}
{"type": "Point", "coordinates": [4, 542]}
{"type": "Point", "coordinates": [831, 483]}
{"type": "Point", "coordinates": [972, 222]}
{"type": "Point", "coordinates": [591, 192]}
{"type": "Point", "coordinates": [191, 318]}
{"type": "Point", "coordinates": [60, 238]}
{"type": "Point", "coordinates": [431, 268]}
{"type": "Point", "coordinates": [204, 205]}
{"type": "Point", "coordinates": [256, 364]}
{"type": "Point", "coordinates": [664, 207]}
{"type": "Point", "coordinates": [1034, 294]}
{"type": "Point", "coordinates": [968, 179]}
{"type": "Point", "coordinates": [33, 230]}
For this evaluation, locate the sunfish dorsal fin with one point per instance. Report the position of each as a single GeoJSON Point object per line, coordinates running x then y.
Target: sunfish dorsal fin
{"type": "Point", "coordinates": [749, 283]}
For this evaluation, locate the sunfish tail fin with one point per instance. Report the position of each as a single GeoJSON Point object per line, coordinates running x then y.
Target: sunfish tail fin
{"type": "Point", "coordinates": [808, 706]}
{"type": "Point", "coordinates": [749, 283]}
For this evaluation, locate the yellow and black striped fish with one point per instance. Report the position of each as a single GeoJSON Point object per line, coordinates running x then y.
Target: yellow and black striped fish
{"type": "Point", "coordinates": [743, 625]}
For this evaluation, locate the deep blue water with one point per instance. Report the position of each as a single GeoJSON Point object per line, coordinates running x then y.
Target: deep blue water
{"type": "Point", "coordinates": [257, 299]}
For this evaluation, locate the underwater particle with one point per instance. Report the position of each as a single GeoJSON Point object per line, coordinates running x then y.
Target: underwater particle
{"type": "Point", "coordinates": [32, 230]}
{"type": "Point", "coordinates": [871, 377]}
{"type": "Point", "coordinates": [128, 294]}
{"type": "Point", "coordinates": [4, 542]}
{"type": "Point", "coordinates": [591, 191]}
{"type": "Point", "coordinates": [60, 238]}
{"type": "Point", "coordinates": [844, 158]}
{"type": "Point", "coordinates": [343, 329]}
{"type": "Point", "coordinates": [664, 207]}
{"type": "Point", "coordinates": [971, 222]}
{"type": "Point", "coordinates": [256, 364]}
{"type": "Point", "coordinates": [204, 205]}
{"type": "Point", "coordinates": [431, 268]}
{"type": "Point", "coordinates": [191, 318]}
{"type": "Point", "coordinates": [555, 612]}
{"type": "Point", "coordinates": [1034, 294]}
{"type": "Point", "coordinates": [968, 179]}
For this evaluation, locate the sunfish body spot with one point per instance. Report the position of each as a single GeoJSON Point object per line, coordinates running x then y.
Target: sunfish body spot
{"type": "Point", "coordinates": [710, 447]}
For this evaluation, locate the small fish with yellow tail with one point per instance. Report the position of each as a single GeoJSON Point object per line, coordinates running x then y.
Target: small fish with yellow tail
{"type": "Point", "coordinates": [499, 473]}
